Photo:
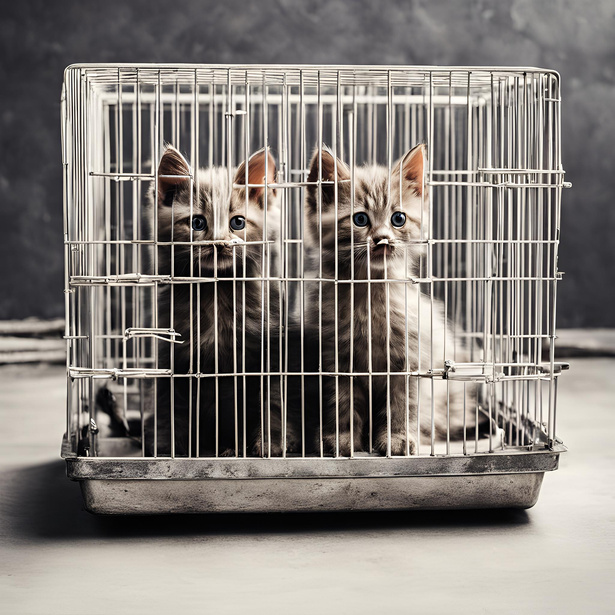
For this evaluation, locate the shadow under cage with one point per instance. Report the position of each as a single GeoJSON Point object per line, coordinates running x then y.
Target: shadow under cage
{"type": "Point", "coordinates": [344, 276]}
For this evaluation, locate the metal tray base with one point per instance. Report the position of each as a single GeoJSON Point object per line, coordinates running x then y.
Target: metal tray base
{"type": "Point", "coordinates": [124, 485]}
{"type": "Point", "coordinates": [113, 497]}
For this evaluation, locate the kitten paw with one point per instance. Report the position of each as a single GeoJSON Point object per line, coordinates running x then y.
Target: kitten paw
{"type": "Point", "coordinates": [261, 449]}
{"type": "Point", "coordinates": [345, 444]}
{"type": "Point", "coordinates": [398, 445]}
{"type": "Point", "coordinates": [292, 446]}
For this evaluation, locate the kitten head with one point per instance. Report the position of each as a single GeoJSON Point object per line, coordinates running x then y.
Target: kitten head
{"type": "Point", "coordinates": [381, 226]}
{"type": "Point", "coordinates": [219, 218]}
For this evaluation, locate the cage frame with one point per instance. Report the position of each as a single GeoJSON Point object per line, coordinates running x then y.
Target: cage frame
{"type": "Point", "coordinates": [118, 484]}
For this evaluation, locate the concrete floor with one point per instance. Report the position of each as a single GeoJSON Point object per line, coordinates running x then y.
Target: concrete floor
{"type": "Point", "coordinates": [558, 557]}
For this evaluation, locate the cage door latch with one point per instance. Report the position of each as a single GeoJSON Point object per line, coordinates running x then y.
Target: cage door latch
{"type": "Point", "coordinates": [166, 335]}
{"type": "Point", "coordinates": [476, 372]}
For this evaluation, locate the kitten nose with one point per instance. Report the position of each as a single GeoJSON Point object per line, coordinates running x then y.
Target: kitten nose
{"type": "Point", "coordinates": [382, 238]}
{"type": "Point", "coordinates": [228, 241]}
{"type": "Point", "coordinates": [223, 239]}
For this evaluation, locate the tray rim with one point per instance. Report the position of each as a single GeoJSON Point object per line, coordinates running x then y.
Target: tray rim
{"type": "Point", "coordinates": [207, 468]}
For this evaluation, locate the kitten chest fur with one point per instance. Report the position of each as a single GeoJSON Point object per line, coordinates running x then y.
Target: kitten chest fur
{"type": "Point", "coordinates": [362, 316]}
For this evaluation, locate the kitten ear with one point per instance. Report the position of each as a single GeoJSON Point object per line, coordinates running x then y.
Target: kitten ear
{"type": "Point", "coordinates": [411, 166]}
{"type": "Point", "coordinates": [328, 174]}
{"type": "Point", "coordinates": [256, 173]}
{"type": "Point", "coordinates": [173, 172]}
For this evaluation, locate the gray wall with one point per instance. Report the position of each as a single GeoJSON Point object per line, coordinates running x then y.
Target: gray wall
{"type": "Point", "coordinates": [39, 38]}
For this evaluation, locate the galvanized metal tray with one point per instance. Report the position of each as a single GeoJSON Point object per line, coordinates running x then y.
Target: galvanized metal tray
{"type": "Point", "coordinates": [128, 485]}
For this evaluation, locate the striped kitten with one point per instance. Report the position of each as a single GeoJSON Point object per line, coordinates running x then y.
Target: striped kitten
{"type": "Point", "coordinates": [222, 314]}
{"type": "Point", "coordinates": [372, 240]}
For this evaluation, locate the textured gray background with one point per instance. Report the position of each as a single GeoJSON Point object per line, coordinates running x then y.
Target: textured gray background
{"type": "Point", "coordinates": [39, 38]}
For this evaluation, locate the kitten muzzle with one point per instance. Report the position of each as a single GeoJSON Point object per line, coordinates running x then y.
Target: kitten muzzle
{"type": "Point", "coordinates": [219, 255]}
{"type": "Point", "coordinates": [382, 247]}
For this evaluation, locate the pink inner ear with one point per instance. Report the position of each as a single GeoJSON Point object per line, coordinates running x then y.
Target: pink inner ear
{"type": "Point", "coordinates": [256, 172]}
{"type": "Point", "coordinates": [413, 168]}
{"type": "Point", "coordinates": [256, 168]}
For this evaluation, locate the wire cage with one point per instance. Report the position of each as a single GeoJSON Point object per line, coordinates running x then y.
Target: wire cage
{"type": "Point", "coordinates": [310, 287]}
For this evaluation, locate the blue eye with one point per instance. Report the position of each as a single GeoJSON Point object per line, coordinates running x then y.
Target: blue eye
{"type": "Point", "coordinates": [398, 219]}
{"type": "Point", "coordinates": [199, 223]}
{"type": "Point", "coordinates": [238, 223]}
{"type": "Point", "coordinates": [360, 219]}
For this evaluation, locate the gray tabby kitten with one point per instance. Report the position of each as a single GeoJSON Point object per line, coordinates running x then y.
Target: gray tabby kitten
{"type": "Point", "coordinates": [227, 316]}
{"type": "Point", "coordinates": [373, 238]}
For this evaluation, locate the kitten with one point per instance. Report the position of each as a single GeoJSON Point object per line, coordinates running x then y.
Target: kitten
{"type": "Point", "coordinates": [223, 314]}
{"type": "Point", "coordinates": [372, 241]}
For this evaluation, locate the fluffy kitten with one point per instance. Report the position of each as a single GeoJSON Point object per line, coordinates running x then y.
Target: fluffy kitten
{"type": "Point", "coordinates": [373, 238]}
{"type": "Point", "coordinates": [226, 221]}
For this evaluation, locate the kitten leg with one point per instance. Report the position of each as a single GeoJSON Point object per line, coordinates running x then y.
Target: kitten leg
{"type": "Point", "coordinates": [277, 428]}
{"type": "Point", "coordinates": [347, 442]}
{"type": "Point", "coordinates": [296, 426]}
{"type": "Point", "coordinates": [403, 417]}
{"type": "Point", "coordinates": [272, 418]}
{"type": "Point", "coordinates": [261, 447]}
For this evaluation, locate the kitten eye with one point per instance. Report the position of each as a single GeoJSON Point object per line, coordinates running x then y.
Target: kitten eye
{"type": "Point", "coordinates": [238, 223]}
{"type": "Point", "coordinates": [398, 219]}
{"type": "Point", "coordinates": [360, 219]}
{"type": "Point", "coordinates": [199, 223]}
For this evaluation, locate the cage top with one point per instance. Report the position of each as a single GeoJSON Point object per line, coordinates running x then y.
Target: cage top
{"type": "Point", "coordinates": [303, 74]}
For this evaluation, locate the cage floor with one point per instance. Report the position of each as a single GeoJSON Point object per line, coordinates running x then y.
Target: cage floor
{"type": "Point", "coordinates": [131, 447]}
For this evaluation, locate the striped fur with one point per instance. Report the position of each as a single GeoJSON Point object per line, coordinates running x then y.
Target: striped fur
{"type": "Point", "coordinates": [392, 312]}
{"type": "Point", "coordinates": [210, 315]}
